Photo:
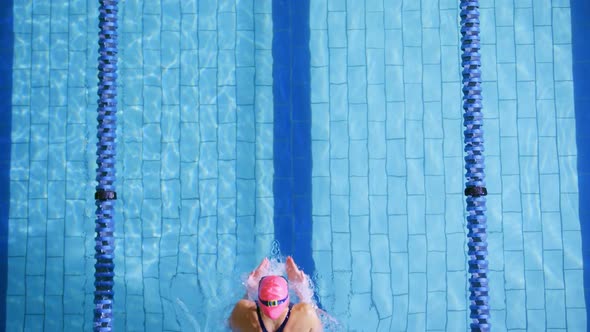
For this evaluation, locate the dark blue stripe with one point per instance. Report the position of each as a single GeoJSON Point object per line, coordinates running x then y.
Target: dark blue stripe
{"type": "Point", "coordinates": [580, 11]}
{"type": "Point", "coordinates": [292, 130]}
{"type": "Point", "coordinates": [6, 52]}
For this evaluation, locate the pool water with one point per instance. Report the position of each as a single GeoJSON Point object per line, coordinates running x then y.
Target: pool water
{"type": "Point", "coordinates": [364, 186]}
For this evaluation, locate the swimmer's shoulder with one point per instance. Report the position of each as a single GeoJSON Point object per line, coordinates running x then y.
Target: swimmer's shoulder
{"type": "Point", "coordinates": [246, 304]}
{"type": "Point", "coordinates": [244, 308]}
{"type": "Point", "coordinates": [303, 309]}
{"type": "Point", "coordinates": [243, 317]}
{"type": "Point", "coordinates": [304, 317]}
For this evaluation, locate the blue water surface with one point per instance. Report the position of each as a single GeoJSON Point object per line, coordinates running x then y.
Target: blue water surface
{"type": "Point", "coordinates": [327, 130]}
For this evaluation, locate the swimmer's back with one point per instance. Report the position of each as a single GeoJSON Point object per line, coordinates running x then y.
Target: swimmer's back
{"type": "Point", "coordinates": [303, 317]}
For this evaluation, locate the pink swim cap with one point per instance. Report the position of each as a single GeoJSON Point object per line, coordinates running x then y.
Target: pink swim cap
{"type": "Point", "coordinates": [273, 295]}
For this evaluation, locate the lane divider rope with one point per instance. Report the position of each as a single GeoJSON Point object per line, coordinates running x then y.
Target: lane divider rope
{"type": "Point", "coordinates": [475, 189]}
{"type": "Point", "coordinates": [106, 195]}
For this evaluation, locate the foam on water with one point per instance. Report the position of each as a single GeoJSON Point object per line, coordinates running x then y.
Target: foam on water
{"type": "Point", "coordinates": [329, 323]}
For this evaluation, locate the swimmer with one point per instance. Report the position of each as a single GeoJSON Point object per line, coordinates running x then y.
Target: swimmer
{"type": "Point", "coordinates": [273, 311]}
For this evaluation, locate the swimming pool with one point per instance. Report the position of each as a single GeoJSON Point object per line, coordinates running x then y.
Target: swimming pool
{"type": "Point", "coordinates": [223, 158]}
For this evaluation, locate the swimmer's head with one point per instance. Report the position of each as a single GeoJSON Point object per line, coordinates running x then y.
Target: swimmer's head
{"type": "Point", "coordinates": [273, 295]}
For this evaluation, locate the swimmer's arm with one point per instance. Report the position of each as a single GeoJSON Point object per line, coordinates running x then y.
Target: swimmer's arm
{"type": "Point", "coordinates": [299, 281]}
{"type": "Point", "coordinates": [303, 290]}
{"type": "Point", "coordinates": [251, 288]}
{"type": "Point", "coordinates": [316, 323]}
{"type": "Point", "coordinates": [236, 319]}
{"type": "Point", "coordinates": [254, 278]}
{"type": "Point", "coordinates": [233, 317]}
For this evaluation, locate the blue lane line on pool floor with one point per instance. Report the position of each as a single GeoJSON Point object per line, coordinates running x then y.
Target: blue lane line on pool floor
{"type": "Point", "coordinates": [292, 131]}
{"type": "Point", "coordinates": [580, 11]}
{"type": "Point", "coordinates": [6, 53]}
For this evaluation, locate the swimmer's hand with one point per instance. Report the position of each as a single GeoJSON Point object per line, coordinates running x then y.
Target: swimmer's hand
{"type": "Point", "coordinates": [295, 275]}
{"type": "Point", "coordinates": [257, 274]}
{"type": "Point", "coordinates": [299, 281]}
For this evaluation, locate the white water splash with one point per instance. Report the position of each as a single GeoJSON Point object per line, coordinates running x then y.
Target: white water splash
{"type": "Point", "coordinates": [329, 323]}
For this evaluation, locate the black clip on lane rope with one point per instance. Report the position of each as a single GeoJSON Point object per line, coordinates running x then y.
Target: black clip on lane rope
{"type": "Point", "coordinates": [476, 191]}
{"type": "Point", "coordinates": [104, 195]}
